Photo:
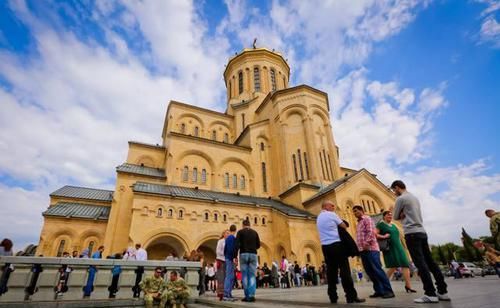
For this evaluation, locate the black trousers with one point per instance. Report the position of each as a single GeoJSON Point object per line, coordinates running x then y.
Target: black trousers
{"type": "Point", "coordinates": [336, 260]}
{"type": "Point", "coordinates": [422, 257]}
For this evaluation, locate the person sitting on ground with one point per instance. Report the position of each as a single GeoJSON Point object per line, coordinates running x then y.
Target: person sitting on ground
{"type": "Point", "coordinates": [176, 291]}
{"type": "Point", "coordinates": [153, 288]}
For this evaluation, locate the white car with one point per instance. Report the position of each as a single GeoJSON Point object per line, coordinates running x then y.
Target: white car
{"type": "Point", "coordinates": [470, 269]}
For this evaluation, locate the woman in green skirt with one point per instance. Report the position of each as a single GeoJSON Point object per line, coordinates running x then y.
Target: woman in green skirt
{"type": "Point", "coordinates": [396, 256]}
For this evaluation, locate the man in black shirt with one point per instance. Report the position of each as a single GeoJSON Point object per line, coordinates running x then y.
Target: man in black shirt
{"type": "Point", "coordinates": [248, 242]}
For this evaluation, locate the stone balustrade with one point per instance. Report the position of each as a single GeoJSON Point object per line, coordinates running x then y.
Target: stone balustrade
{"type": "Point", "coordinates": [38, 279]}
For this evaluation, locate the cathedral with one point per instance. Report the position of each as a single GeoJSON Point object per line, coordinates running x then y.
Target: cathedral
{"type": "Point", "coordinates": [271, 158]}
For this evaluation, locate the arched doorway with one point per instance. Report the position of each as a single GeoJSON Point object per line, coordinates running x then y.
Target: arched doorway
{"type": "Point", "coordinates": [159, 248]}
{"type": "Point", "coordinates": [208, 248]}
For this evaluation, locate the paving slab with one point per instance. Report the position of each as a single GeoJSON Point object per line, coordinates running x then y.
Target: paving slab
{"type": "Point", "coordinates": [478, 292]}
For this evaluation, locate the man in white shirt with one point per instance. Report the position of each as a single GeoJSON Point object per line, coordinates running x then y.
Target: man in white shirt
{"type": "Point", "coordinates": [335, 255]}
{"type": "Point", "coordinates": [141, 253]}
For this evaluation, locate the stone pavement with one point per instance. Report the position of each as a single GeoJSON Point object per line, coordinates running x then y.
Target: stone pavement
{"type": "Point", "coordinates": [478, 292]}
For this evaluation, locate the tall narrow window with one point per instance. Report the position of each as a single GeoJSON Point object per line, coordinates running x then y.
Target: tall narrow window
{"type": "Point", "coordinates": [242, 182]}
{"type": "Point", "coordinates": [91, 247]}
{"type": "Point", "coordinates": [308, 258]}
{"type": "Point", "coordinates": [263, 220]}
{"type": "Point", "coordinates": [203, 176]}
{"type": "Point", "coordinates": [230, 89]}
{"type": "Point", "coordinates": [295, 168]}
{"type": "Point", "coordinates": [159, 212]}
{"type": "Point", "coordinates": [235, 181]}
{"type": "Point", "coordinates": [214, 135]}
{"type": "Point", "coordinates": [284, 82]}
{"type": "Point", "coordinates": [185, 174]}
{"type": "Point", "coordinates": [255, 220]}
{"type": "Point", "coordinates": [181, 213]}
{"type": "Point", "coordinates": [226, 138]}
{"type": "Point", "coordinates": [216, 216]}
{"type": "Point", "coordinates": [322, 167]}
{"type": "Point", "coordinates": [183, 128]}
{"type": "Point", "coordinates": [300, 165]}
{"type": "Point", "coordinates": [170, 213]}
{"type": "Point", "coordinates": [206, 216]}
{"type": "Point", "coordinates": [262, 146]}
{"type": "Point", "coordinates": [224, 218]}
{"type": "Point", "coordinates": [330, 164]}
{"type": "Point", "coordinates": [256, 79]}
{"type": "Point", "coordinates": [60, 249]}
{"type": "Point", "coordinates": [240, 82]}
{"type": "Point", "coordinates": [326, 165]}
{"type": "Point", "coordinates": [306, 165]}
{"type": "Point", "coordinates": [226, 180]}
{"type": "Point", "coordinates": [195, 175]}
{"type": "Point", "coordinates": [196, 131]}
{"type": "Point", "coordinates": [243, 120]}
{"type": "Point", "coordinates": [264, 179]}
{"type": "Point", "coordinates": [273, 79]}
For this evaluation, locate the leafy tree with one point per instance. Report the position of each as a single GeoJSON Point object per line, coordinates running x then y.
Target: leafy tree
{"type": "Point", "coordinates": [441, 255]}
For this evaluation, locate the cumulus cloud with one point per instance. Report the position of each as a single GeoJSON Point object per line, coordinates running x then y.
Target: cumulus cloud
{"type": "Point", "coordinates": [490, 28]}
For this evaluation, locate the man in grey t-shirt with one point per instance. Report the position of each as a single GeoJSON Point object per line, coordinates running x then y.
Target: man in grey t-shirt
{"type": "Point", "coordinates": [407, 209]}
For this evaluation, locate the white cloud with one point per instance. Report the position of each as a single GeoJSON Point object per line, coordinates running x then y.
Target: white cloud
{"type": "Point", "coordinates": [490, 28]}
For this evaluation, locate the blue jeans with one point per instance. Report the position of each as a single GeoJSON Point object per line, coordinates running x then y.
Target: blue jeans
{"type": "Point", "coordinates": [373, 268]}
{"type": "Point", "coordinates": [248, 265]}
{"type": "Point", "coordinates": [229, 279]}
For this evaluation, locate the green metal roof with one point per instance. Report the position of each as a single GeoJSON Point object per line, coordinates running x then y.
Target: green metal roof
{"type": "Point", "coordinates": [78, 210]}
{"type": "Point", "coordinates": [141, 170]}
{"type": "Point", "coordinates": [214, 196]}
{"type": "Point", "coordinates": [83, 193]}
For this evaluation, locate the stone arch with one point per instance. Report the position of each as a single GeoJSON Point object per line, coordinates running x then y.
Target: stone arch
{"type": "Point", "coordinates": [68, 243]}
{"type": "Point", "coordinates": [207, 243]}
{"type": "Point", "coordinates": [312, 248]}
{"type": "Point", "coordinates": [245, 165]}
{"type": "Point", "coordinates": [195, 152]}
{"type": "Point", "coordinates": [317, 110]}
{"type": "Point", "coordinates": [281, 251]}
{"type": "Point", "coordinates": [373, 195]}
{"type": "Point", "coordinates": [218, 122]}
{"type": "Point", "coordinates": [294, 109]}
{"type": "Point", "coordinates": [192, 115]}
{"type": "Point", "coordinates": [161, 241]}
{"type": "Point", "coordinates": [145, 160]}
{"type": "Point", "coordinates": [264, 255]}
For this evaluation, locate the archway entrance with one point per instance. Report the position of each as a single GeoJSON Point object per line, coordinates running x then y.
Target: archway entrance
{"type": "Point", "coordinates": [208, 248]}
{"type": "Point", "coordinates": [161, 247]}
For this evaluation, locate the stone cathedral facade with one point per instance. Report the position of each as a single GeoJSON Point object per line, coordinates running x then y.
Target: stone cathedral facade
{"type": "Point", "coordinates": [271, 157]}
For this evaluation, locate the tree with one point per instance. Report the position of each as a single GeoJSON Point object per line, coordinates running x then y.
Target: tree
{"type": "Point", "coordinates": [441, 255]}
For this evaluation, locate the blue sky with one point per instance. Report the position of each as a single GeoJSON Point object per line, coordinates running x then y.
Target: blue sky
{"type": "Point", "coordinates": [413, 87]}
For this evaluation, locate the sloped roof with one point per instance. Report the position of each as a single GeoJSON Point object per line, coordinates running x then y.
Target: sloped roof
{"type": "Point", "coordinates": [78, 210]}
{"type": "Point", "coordinates": [331, 187]}
{"type": "Point", "coordinates": [83, 193]}
{"type": "Point", "coordinates": [141, 170]}
{"type": "Point", "coordinates": [214, 196]}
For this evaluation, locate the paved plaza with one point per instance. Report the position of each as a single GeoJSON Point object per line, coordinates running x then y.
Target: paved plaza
{"type": "Point", "coordinates": [479, 292]}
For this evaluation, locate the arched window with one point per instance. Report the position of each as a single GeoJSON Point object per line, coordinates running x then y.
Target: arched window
{"type": "Point", "coordinates": [255, 220]}
{"type": "Point", "coordinates": [308, 258]}
{"type": "Point", "coordinates": [91, 247]}
{"type": "Point", "coordinates": [214, 135]}
{"type": "Point", "coordinates": [60, 249]}
{"type": "Point", "coordinates": [206, 216]}
{"type": "Point", "coordinates": [195, 175]}
{"type": "Point", "coordinates": [247, 218]}
{"type": "Point", "coordinates": [196, 131]}
{"type": "Point", "coordinates": [216, 217]}
{"type": "Point", "coordinates": [300, 165]}
{"type": "Point", "coordinates": [183, 128]}
{"type": "Point", "coordinates": [226, 138]}
{"type": "Point", "coordinates": [306, 165]}
{"type": "Point", "coordinates": [226, 180]}
{"type": "Point", "coordinates": [203, 176]}
{"type": "Point", "coordinates": [159, 213]}
{"type": "Point", "coordinates": [240, 82]}
{"type": "Point", "coordinates": [224, 218]}
{"type": "Point", "coordinates": [273, 79]}
{"type": "Point", "coordinates": [295, 168]}
{"type": "Point", "coordinates": [185, 174]}
{"type": "Point", "coordinates": [326, 165]}
{"type": "Point", "coordinates": [181, 213]}
{"type": "Point", "coordinates": [264, 177]}
{"type": "Point", "coordinates": [262, 147]}
{"type": "Point", "coordinates": [263, 220]}
{"type": "Point", "coordinates": [170, 213]}
{"type": "Point", "coordinates": [256, 79]}
{"type": "Point", "coordinates": [242, 182]}
{"type": "Point", "coordinates": [235, 181]}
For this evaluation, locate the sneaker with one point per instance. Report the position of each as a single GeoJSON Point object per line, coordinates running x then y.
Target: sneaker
{"type": "Point", "coordinates": [444, 297]}
{"type": "Point", "coordinates": [426, 299]}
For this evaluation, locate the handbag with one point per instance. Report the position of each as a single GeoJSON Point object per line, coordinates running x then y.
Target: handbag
{"type": "Point", "coordinates": [384, 244]}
